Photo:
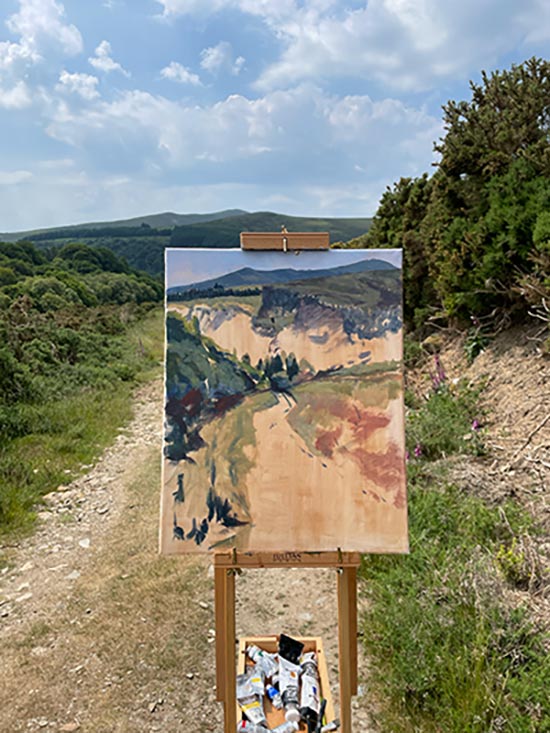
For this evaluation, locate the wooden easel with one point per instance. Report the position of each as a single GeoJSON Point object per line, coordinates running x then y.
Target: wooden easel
{"type": "Point", "coordinates": [227, 564]}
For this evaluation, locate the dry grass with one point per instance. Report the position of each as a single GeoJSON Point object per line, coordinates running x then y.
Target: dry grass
{"type": "Point", "coordinates": [113, 656]}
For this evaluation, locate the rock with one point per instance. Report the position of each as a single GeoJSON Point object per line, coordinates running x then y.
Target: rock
{"type": "Point", "coordinates": [102, 510]}
{"type": "Point", "coordinates": [203, 604]}
{"type": "Point", "coordinates": [23, 586]}
{"type": "Point", "coordinates": [189, 675]}
{"type": "Point", "coordinates": [85, 543]}
{"type": "Point", "coordinates": [69, 727]}
{"type": "Point", "coordinates": [24, 597]}
{"type": "Point", "coordinates": [152, 707]}
{"type": "Point", "coordinates": [42, 723]}
{"type": "Point", "coordinates": [73, 576]}
{"type": "Point", "coordinates": [26, 566]}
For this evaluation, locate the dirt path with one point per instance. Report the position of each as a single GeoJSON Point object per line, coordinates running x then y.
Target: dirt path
{"type": "Point", "coordinates": [100, 634]}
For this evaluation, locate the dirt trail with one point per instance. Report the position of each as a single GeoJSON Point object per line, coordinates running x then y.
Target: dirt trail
{"type": "Point", "coordinates": [100, 634]}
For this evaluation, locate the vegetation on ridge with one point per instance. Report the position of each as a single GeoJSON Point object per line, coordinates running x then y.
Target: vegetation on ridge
{"type": "Point", "coordinates": [69, 354]}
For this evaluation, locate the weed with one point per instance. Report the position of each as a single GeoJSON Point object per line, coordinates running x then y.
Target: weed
{"type": "Point", "coordinates": [450, 653]}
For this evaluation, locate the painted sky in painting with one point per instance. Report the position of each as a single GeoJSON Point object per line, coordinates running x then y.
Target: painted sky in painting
{"type": "Point", "coordinates": [187, 266]}
{"type": "Point", "coordinates": [116, 108]}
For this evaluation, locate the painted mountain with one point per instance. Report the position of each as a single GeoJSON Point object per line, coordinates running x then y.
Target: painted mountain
{"type": "Point", "coordinates": [284, 425]}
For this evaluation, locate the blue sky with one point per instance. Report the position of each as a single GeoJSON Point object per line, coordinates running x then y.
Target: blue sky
{"type": "Point", "coordinates": [186, 266]}
{"type": "Point", "coordinates": [116, 108]}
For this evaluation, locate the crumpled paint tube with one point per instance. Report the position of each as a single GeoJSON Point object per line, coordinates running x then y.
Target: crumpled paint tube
{"type": "Point", "coordinates": [250, 702]}
{"type": "Point", "coordinates": [289, 726]}
{"type": "Point", "coordinates": [289, 673]}
{"type": "Point", "coordinates": [267, 661]}
{"type": "Point", "coordinates": [245, 726]}
{"type": "Point", "coordinates": [310, 701]}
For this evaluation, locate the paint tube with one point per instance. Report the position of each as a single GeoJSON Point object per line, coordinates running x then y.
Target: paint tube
{"type": "Point", "coordinates": [310, 696]}
{"type": "Point", "coordinates": [329, 727]}
{"type": "Point", "coordinates": [249, 701]}
{"type": "Point", "coordinates": [290, 651]}
{"type": "Point", "coordinates": [275, 696]}
{"type": "Point", "coordinates": [257, 680]}
{"type": "Point", "coordinates": [268, 662]}
{"type": "Point", "coordinates": [245, 726]}
{"type": "Point", "coordinates": [288, 726]}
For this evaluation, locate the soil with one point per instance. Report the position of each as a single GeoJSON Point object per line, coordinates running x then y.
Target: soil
{"type": "Point", "coordinates": [99, 633]}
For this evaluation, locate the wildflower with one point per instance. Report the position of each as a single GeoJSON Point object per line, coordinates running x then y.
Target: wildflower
{"type": "Point", "coordinates": [407, 456]}
{"type": "Point", "coordinates": [417, 450]}
{"type": "Point", "coordinates": [476, 425]}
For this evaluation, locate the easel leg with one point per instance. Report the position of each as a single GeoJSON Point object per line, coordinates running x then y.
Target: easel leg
{"type": "Point", "coordinates": [220, 603]}
{"type": "Point", "coordinates": [224, 584]}
{"type": "Point", "coordinates": [347, 639]}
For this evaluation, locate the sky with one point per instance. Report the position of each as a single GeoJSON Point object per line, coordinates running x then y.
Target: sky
{"type": "Point", "coordinates": [186, 266]}
{"type": "Point", "coordinates": [117, 108]}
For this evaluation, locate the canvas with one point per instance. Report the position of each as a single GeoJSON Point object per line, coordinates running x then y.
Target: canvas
{"type": "Point", "coordinates": [284, 417]}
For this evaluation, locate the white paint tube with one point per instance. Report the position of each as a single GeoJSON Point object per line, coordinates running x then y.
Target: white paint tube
{"type": "Point", "coordinates": [310, 698]}
{"type": "Point", "coordinates": [288, 726]}
{"type": "Point", "coordinates": [245, 726]}
{"type": "Point", "coordinates": [257, 680]}
{"type": "Point", "coordinates": [250, 702]}
{"type": "Point", "coordinates": [289, 674]}
{"type": "Point", "coordinates": [267, 661]}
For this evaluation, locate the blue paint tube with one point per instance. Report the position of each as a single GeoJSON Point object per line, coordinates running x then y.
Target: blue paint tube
{"type": "Point", "coordinates": [275, 696]}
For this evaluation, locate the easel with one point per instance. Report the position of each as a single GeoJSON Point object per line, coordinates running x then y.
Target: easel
{"type": "Point", "coordinates": [227, 565]}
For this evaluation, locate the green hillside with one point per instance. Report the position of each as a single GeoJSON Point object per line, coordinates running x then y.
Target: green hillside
{"type": "Point", "coordinates": [75, 330]}
{"type": "Point", "coordinates": [142, 241]}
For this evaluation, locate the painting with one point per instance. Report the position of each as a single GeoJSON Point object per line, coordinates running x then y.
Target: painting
{"type": "Point", "coordinates": [284, 416]}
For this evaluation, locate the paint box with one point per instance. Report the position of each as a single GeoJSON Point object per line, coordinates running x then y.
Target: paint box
{"type": "Point", "coordinates": [270, 644]}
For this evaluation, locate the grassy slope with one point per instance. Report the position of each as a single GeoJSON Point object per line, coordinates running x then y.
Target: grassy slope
{"type": "Point", "coordinates": [73, 430]}
{"type": "Point", "coordinates": [450, 652]}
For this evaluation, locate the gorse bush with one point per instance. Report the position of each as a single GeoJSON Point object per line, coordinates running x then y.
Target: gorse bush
{"type": "Point", "coordinates": [471, 231]}
{"type": "Point", "coordinates": [67, 362]}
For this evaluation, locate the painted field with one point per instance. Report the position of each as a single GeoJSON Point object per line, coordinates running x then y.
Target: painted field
{"type": "Point", "coordinates": [284, 402]}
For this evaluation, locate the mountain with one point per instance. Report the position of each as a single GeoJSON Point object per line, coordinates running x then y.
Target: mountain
{"type": "Point", "coordinates": [226, 232]}
{"type": "Point", "coordinates": [142, 240]}
{"type": "Point", "coordinates": [166, 220]}
{"type": "Point", "coordinates": [248, 276]}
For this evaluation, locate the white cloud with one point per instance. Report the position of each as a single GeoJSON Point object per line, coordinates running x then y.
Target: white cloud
{"type": "Point", "coordinates": [403, 44]}
{"type": "Point", "coordinates": [12, 53]}
{"type": "Point", "coordinates": [16, 97]}
{"type": "Point", "coordinates": [12, 178]}
{"type": "Point", "coordinates": [103, 61]}
{"type": "Point", "coordinates": [316, 135]}
{"type": "Point", "coordinates": [84, 85]}
{"type": "Point", "coordinates": [43, 21]}
{"type": "Point", "coordinates": [176, 72]}
{"type": "Point", "coordinates": [220, 58]}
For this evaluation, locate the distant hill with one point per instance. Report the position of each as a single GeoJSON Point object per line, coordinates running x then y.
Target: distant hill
{"type": "Point", "coordinates": [166, 220]}
{"type": "Point", "coordinates": [142, 240]}
{"type": "Point", "coordinates": [225, 232]}
{"type": "Point", "coordinates": [248, 276]}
